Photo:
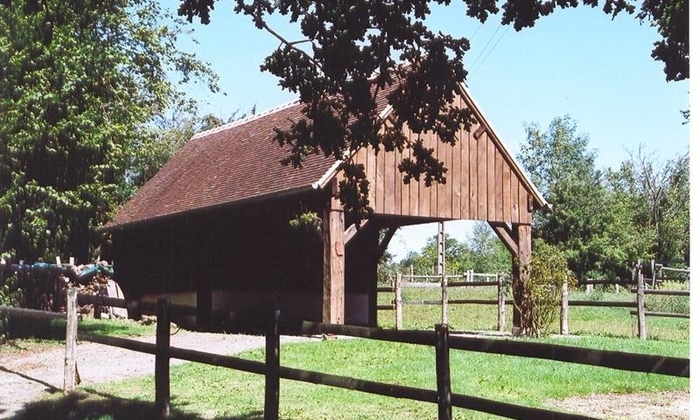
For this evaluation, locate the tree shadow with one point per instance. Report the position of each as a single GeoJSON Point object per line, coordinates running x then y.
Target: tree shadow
{"type": "Point", "coordinates": [91, 405]}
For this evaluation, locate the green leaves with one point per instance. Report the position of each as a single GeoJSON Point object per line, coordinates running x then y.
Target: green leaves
{"type": "Point", "coordinates": [82, 85]}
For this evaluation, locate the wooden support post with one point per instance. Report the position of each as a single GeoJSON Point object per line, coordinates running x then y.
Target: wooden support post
{"type": "Point", "coordinates": [442, 367]}
{"type": "Point", "coordinates": [501, 303]}
{"type": "Point", "coordinates": [70, 367]}
{"type": "Point", "coordinates": [398, 302]}
{"type": "Point", "coordinates": [163, 358]}
{"type": "Point", "coordinates": [641, 318]}
{"type": "Point", "coordinates": [564, 314]}
{"type": "Point", "coordinates": [333, 261]}
{"type": "Point", "coordinates": [522, 312]}
{"type": "Point", "coordinates": [272, 368]}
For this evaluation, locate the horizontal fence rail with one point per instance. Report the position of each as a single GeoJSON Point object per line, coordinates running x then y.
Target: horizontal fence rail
{"type": "Point", "coordinates": [641, 287]}
{"type": "Point", "coordinates": [445, 282]}
{"type": "Point", "coordinates": [635, 362]}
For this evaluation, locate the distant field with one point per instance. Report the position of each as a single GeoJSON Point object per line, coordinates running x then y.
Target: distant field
{"type": "Point", "coordinates": [600, 321]}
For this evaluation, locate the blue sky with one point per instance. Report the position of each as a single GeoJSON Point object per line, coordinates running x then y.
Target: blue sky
{"type": "Point", "coordinates": [576, 62]}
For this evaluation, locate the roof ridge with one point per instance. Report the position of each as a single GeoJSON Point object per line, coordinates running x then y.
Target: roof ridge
{"type": "Point", "coordinates": [246, 119]}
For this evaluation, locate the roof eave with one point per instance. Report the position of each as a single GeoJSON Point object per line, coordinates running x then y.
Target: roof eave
{"type": "Point", "coordinates": [260, 199]}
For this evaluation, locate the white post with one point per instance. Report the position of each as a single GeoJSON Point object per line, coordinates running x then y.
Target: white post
{"type": "Point", "coordinates": [70, 368]}
{"type": "Point", "coordinates": [441, 269]}
{"type": "Point", "coordinates": [397, 302]}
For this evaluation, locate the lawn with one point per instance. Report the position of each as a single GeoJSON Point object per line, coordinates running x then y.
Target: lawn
{"type": "Point", "coordinates": [200, 391]}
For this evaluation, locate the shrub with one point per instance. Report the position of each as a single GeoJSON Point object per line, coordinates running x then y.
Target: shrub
{"type": "Point", "coordinates": [548, 273]}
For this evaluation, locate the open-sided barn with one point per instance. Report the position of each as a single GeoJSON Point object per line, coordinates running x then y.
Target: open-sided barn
{"type": "Point", "coordinates": [212, 229]}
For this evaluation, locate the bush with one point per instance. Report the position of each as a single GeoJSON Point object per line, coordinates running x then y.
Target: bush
{"type": "Point", "coordinates": [548, 273]}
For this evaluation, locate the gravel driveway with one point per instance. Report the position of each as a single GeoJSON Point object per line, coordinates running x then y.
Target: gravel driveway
{"type": "Point", "coordinates": [25, 377]}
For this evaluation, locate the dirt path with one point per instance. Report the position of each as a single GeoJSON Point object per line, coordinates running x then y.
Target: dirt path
{"type": "Point", "coordinates": [25, 377]}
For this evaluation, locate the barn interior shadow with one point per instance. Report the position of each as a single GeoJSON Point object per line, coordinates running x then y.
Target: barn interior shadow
{"type": "Point", "coordinates": [88, 404]}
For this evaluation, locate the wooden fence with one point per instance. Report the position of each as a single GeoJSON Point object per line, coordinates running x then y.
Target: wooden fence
{"type": "Point", "coordinates": [440, 339]}
{"type": "Point", "coordinates": [641, 287]}
{"type": "Point", "coordinates": [445, 282]}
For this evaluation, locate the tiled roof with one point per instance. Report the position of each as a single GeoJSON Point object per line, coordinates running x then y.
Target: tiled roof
{"type": "Point", "coordinates": [234, 162]}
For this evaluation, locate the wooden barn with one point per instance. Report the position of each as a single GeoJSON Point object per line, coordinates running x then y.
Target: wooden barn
{"type": "Point", "coordinates": [212, 229]}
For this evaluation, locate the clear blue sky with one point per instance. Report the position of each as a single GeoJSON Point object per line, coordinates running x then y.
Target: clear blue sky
{"type": "Point", "coordinates": [576, 62]}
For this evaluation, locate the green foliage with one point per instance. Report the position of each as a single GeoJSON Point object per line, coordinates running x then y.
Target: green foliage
{"type": "Point", "coordinates": [658, 194]}
{"type": "Point", "coordinates": [481, 252]}
{"type": "Point", "coordinates": [604, 220]}
{"type": "Point", "coordinates": [490, 255]}
{"type": "Point", "coordinates": [82, 85]}
{"type": "Point", "coordinates": [306, 221]}
{"type": "Point", "coordinates": [347, 51]}
{"type": "Point", "coordinates": [548, 274]}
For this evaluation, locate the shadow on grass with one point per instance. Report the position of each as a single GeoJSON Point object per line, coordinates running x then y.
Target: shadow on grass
{"type": "Point", "coordinates": [90, 405]}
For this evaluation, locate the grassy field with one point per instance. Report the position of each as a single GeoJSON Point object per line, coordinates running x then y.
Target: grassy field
{"type": "Point", "coordinates": [598, 321]}
{"type": "Point", "coordinates": [200, 391]}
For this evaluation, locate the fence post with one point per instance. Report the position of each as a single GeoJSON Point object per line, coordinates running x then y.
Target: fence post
{"type": "Point", "coordinates": [501, 303]}
{"type": "Point", "coordinates": [163, 358]}
{"type": "Point", "coordinates": [564, 315]}
{"type": "Point", "coordinates": [641, 318]}
{"type": "Point", "coordinates": [272, 368]}
{"type": "Point", "coordinates": [398, 303]}
{"type": "Point", "coordinates": [442, 269]}
{"type": "Point", "coordinates": [443, 298]}
{"type": "Point", "coordinates": [70, 367]}
{"type": "Point", "coordinates": [442, 367]}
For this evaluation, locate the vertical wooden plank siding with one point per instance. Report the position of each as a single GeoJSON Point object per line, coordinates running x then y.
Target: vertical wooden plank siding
{"type": "Point", "coordinates": [414, 189]}
{"type": "Point", "coordinates": [473, 167]}
{"type": "Point", "coordinates": [506, 193]}
{"type": "Point", "coordinates": [464, 144]}
{"type": "Point", "coordinates": [389, 186]}
{"type": "Point", "coordinates": [444, 191]}
{"type": "Point", "coordinates": [398, 186]}
{"type": "Point", "coordinates": [379, 182]}
{"type": "Point", "coordinates": [498, 186]}
{"type": "Point", "coordinates": [371, 170]}
{"type": "Point", "coordinates": [456, 175]}
{"type": "Point", "coordinates": [514, 201]}
{"type": "Point", "coordinates": [482, 179]}
{"type": "Point", "coordinates": [490, 179]}
{"type": "Point", "coordinates": [523, 205]}
{"type": "Point", "coordinates": [480, 182]}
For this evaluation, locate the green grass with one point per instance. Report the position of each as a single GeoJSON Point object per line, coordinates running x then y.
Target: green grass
{"type": "Point", "coordinates": [116, 327]}
{"type": "Point", "coordinates": [600, 321]}
{"type": "Point", "coordinates": [209, 392]}
{"type": "Point", "coordinates": [199, 391]}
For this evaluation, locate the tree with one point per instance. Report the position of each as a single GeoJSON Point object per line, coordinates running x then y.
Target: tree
{"type": "Point", "coordinates": [82, 83]}
{"type": "Point", "coordinates": [349, 51]}
{"type": "Point", "coordinates": [489, 253]}
{"type": "Point", "coordinates": [659, 194]}
{"type": "Point", "coordinates": [592, 226]}
{"type": "Point", "coordinates": [457, 258]}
